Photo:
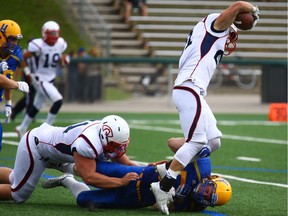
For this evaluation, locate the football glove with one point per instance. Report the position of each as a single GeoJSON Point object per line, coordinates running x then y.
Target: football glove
{"type": "Point", "coordinates": [256, 14]}
{"type": "Point", "coordinates": [23, 87]}
{"type": "Point", "coordinates": [3, 66]}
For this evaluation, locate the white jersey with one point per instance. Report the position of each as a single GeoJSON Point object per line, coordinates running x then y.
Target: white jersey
{"type": "Point", "coordinates": [203, 44]}
{"type": "Point", "coordinates": [47, 57]}
{"type": "Point", "coordinates": [56, 144]}
{"type": "Point", "coordinates": [50, 144]}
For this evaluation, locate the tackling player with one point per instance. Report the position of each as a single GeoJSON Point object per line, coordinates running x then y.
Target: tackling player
{"type": "Point", "coordinates": [195, 187]}
{"type": "Point", "coordinates": [48, 52]}
{"type": "Point", "coordinates": [207, 42]}
{"type": "Point", "coordinates": [10, 57]}
{"type": "Point", "coordinates": [80, 143]}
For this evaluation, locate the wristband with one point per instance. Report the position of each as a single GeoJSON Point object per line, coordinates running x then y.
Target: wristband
{"type": "Point", "coordinates": [9, 102]}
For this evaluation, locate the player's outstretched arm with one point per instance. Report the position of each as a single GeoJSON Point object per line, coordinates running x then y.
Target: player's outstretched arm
{"type": "Point", "coordinates": [228, 16]}
{"type": "Point", "coordinates": [86, 169]}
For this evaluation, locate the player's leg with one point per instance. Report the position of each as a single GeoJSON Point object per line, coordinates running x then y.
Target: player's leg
{"type": "Point", "coordinates": [28, 168]}
{"type": "Point", "coordinates": [56, 98]}
{"type": "Point", "coordinates": [30, 115]}
{"type": "Point", "coordinates": [19, 106]}
{"type": "Point", "coordinates": [213, 133]}
{"type": "Point", "coordinates": [188, 103]}
{"type": "Point", "coordinates": [4, 175]}
{"type": "Point", "coordinates": [5, 187]}
{"type": "Point", "coordinates": [67, 181]}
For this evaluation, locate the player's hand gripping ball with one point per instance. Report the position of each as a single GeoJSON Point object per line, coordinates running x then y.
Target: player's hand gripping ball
{"type": "Point", "coordinates": [244, 21]}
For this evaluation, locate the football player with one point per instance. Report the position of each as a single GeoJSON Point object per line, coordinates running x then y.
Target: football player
{"type": "Point", "coordinates": [81, 143]}
{"type": "Point", "coordinates": [10, 60]}
{"type": "Point", "coordinates": [211, 38]}
{"type": "Point", "coordinates": [195, 187]}
{"type": "Point", "coordinates": [48, 50]}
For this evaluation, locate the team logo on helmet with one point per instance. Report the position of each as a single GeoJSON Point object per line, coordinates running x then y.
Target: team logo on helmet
{"type": "Point", "coordinates": [114, 135]}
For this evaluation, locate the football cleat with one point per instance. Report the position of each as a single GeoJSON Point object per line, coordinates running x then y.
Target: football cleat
{"type": "Point", "coordinates": [19, 131]}
{"type": "Point", "coordinates": [56, 182]}
{"type": "Point", "coordinates": [162, 198]}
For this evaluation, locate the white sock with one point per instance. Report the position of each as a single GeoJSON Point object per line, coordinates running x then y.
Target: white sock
{"type": "Point", "coordinates": [68, 168]}
{"type": "Point", "coordinates": [161, 169]}
{"type": "Point", "coordinates": [74, 186]}
{"type": "Point", "coordinates": [26, 122]}
{"type": "Point", "coordinates": [50, 118]}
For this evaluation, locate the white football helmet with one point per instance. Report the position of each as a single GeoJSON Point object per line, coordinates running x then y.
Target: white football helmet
{"type": "Point", "coordinates": [114, 135]}
{"type": "Point", "coordinates": [50, 32]}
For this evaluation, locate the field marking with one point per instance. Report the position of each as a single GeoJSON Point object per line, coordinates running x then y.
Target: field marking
{"type": "Point", "coordinates": [173, 130]}
{"type": "Point", "coordinates": [224, 122]}
{"type": "Point", "coordinates": [225, 136]}
{"type": "Point", "coordinates": [225, 176]}
{"type": "Point", "coordinates": [248, 159]}
{"type": "Point", "coordinates": [251, 181]}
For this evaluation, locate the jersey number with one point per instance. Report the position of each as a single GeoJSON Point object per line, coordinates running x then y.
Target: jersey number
{"type": "Point", "coordinates": [74, 126]}
{"type": "Point", "coordinates": [53, 62]}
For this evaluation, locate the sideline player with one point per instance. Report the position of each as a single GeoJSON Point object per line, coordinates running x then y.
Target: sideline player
{"type": "Point", "coordinates": [80, 143]}
{"type": "Point", "coordinates": [48, 50]}
{"type": "Point", "coordinates": [10, 57]}
{"type": "Point", "coordinates": [205, 46]}
{"type": "Point", "coordinates": [195, 187]}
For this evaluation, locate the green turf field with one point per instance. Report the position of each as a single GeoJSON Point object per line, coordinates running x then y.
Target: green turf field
{"type": "Point", "coordinates": [253, 157]}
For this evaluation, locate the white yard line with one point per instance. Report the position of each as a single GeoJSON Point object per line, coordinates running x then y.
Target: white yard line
{"type": "Point", "coordinates": [225, 136]}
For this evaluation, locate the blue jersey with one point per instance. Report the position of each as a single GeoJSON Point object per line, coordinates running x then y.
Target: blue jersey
{"type": "Point", "coordinates": [137, 194]}
{"type": "Point", "coordinates": [13, 60]}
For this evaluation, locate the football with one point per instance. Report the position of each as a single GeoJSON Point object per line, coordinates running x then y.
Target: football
{"type": "Point", "coordinates": [244, 21]}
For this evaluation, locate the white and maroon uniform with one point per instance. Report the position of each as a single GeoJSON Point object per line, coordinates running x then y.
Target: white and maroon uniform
{"type": "Point", "coordinates": [47, 60]}
{"type": "Point", "coordinates": [203, 51]}
{"type": "Point", "coordinates": [51, 144]}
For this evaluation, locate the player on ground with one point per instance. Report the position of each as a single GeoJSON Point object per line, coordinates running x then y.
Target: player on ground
{"type": "Point", "coordinates": [81, 143]}
{"type": "Point", "coordinates": [203, 51]}
{"type": "Point", "coordinates": [48, 50]}
{"type": "Point", "coordinates": [10, 59]}
{"type": "Point", "coordinates": [195, 187]}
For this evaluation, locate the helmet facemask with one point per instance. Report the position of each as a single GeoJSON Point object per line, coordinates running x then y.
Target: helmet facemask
{"type": "Point", "coordinates": [10, 35]}
{"type": "Point", "coordinates": [213, 191]}
{"type": "Point", "coordinates": [50, 32]}
{"type": "Point", "coordinates": [230, 45]}
{"type": "Point", "coordinates": [200, 196]}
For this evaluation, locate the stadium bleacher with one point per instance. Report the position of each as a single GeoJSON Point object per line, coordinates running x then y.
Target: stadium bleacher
{"type": "Point", "coordinates": [163, 32]}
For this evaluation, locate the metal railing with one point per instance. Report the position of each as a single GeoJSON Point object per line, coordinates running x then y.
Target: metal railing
{"type": "Point", "coordinates": [92, 23]}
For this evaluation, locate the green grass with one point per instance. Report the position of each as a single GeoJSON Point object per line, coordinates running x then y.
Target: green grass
{"type": "Point", "coordinates": [32, 14]}
{"type": "Point", "coordinates": [254, 189]}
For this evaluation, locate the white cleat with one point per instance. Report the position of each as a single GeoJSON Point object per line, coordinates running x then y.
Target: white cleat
{"type": "Point", "coordinates": [162, 198]}
{"type": "Point", "coordinates": [56, 182]}
{"type": "Point", "coordinates": [19, 131]}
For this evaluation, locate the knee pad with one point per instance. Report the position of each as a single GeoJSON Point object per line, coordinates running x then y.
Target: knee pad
{"type": "Point", "coordinates": [56, 107]}
{"type": "Point", "coordinates": [214, 144]}
{"type": "Point", "coordinates": [187, 152]}
{"type": "Point", "coordinates": [32, 112]}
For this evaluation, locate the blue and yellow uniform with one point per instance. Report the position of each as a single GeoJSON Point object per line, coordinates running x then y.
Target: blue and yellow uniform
{"type": "Point", "coordinates": [137, 194]}
{"type": "Point", "coordinates": [13, 60]}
